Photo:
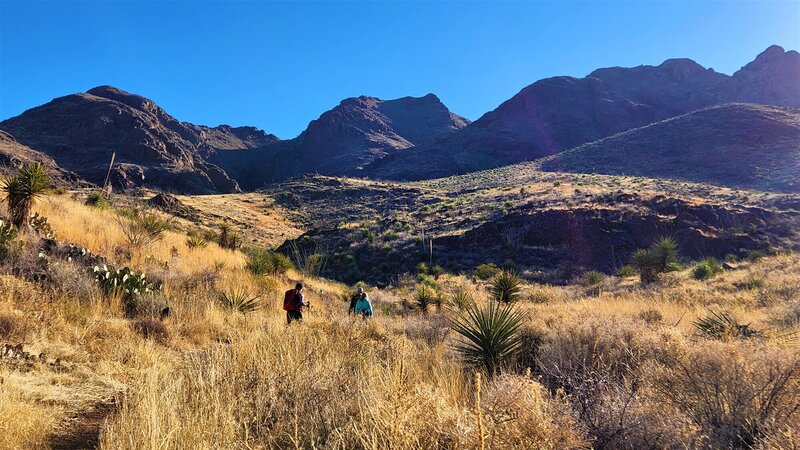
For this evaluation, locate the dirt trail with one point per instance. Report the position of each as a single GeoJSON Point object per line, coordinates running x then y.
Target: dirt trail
{"type": "Point", "coordinates": [82, 430]}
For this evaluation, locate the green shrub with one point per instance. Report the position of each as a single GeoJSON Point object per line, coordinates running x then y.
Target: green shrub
{"type": "Point", "coordinates": [390, 236]}
{"type": "Point", "coordinates": [707, 268]}
{"type": "Point", "coordinates": [506, 287]}
{"type": "Point", "coordinates": [626, 271]}
{"type": "Point", "coordinates": [592, 279]}
{"type": "Point", "coordinates": [195, 240]}
{"type": "Point", "coordinates": [461, 298]}
{"type": "Point", "coordinates": [486, 271]}
{"type": "Point", "coordinates": [142, 229]}
{"type": "Point", "coordinates": [9, 245]}
{"type": "Point", "coordinates": [425, 297]}
{"type": "Point", "coordinates": [98, 200]}
{"type": "Point", "coordinates": [261, 262]}
{"type": "Point", "coordinates": [665, 254]}
{"type": "Point", "coordinates": [22, 190]}
{"type": "Point", "coordinates": [423, 269]}
{"type": "Point", "coordinates": [228, 238]}
{"type": "Point", "coordinates": [239, 300]}
{"type": "Point", "coordinates": [491, 336]}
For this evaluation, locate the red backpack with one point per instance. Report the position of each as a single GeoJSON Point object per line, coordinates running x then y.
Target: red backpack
{"type": "Point", "coordinates": [290, 300]}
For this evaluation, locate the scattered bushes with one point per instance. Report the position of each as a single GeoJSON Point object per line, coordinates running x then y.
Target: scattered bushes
{"type": "Point", "coordinates": [486, 271]}
{"type": "Point", "coordinates": [98, 200]}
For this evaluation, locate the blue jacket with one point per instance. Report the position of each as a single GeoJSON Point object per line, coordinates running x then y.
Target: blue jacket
{"type": "Point", "coordinates": [364, 306]}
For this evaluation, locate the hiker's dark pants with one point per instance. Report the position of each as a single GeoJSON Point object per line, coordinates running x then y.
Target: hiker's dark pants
{"type": "Point", "coordinates": [293, 315]}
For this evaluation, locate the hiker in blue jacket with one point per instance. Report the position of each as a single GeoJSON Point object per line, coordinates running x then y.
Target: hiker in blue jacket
{"type": "Point", "coordinates": [364, 306]}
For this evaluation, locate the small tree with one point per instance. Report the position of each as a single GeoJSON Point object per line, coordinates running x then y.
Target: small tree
{"type": "Point", "coordinates": [23, 189]}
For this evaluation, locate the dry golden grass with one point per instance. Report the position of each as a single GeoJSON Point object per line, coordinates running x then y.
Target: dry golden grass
{"type": "Point", "coordinates": [222, 379]}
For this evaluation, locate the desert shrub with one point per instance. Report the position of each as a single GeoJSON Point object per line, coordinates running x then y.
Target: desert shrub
{"type": "Point", "coordinates": [9, 245]}
{"type": "Point", "coordinates": [626, 271]}
{"type": "Point", "coordinates": [506, 287]}
{"type": "Point", "coordinates": [194, 240]}
{"type": "Point", "coordinates": [142, 229]}
{"type": "Point", "coordinates": [228, 238]}
{"type": "Point", "coordinates": [736, 395]}
{"type": "Point", "coordinates": [592, 279]}
{"type": "Point", "coordinates": [13, 328]}
{"type": "Point", "coordinates": [599, 365]}
{"type": "Point", "coordinates": [521, 414]}
{"type": "Point", "coordinates": [22, 189]}
{"type": "Point", "coordinates": [707, 268]}
{"type": "Point", "coordinates": [490, 335]}
{"type": "Point", "coordinates": [461, 298]}
{"type": "Point", "coordinates": [239, 300]}
{"type": "Point", "coordinates": [436, 270]}
{"type": "Point", "coordinates": [261, 262]}
{"type": "Point", "coordinates": [425, 297]}
{"type": "Point", "coordinates": [722, 325]}
{"type": "Point", "coordinates": [486, 271]}
{"type": "Point", "coordinates": [751, 283]}
{"type": "Point", "coordinates": [651, 316]}
{"type": "Point", "coordinates": [150, 328]}
{"type": "Point", "coordinates": [423, 269]}
{"type": "Point", "coordinates": [665, 253]}
{"type": "Point", "coordinates": [390, 235]}
{"type": "Point", "coordinates": [98, 200]}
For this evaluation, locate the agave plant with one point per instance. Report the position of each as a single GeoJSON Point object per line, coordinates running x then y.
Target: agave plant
{"type": "Point", "coordinates": [196, 241]}
{"type": "Point", "coordinates": [506, 287]}
{"type": "Point", "coordinates": [23, 189]}
{"type": "Point", "coordinates": [490, 335]}
{"type": "Point", "coordinates": [239, 300]}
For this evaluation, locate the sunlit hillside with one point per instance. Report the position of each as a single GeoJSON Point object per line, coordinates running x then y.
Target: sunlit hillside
{"type": "Point", "coordinates": [603, 362]}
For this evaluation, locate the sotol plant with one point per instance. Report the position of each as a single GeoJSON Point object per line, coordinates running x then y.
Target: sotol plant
{"type": "Point", "coordinates": [491, 335]}
{"type": "Point", "coordinates": [22, 190]}
{"type": "Point", "coordinates": [506, 287]}
{"type": "Point", "coordinates": [239, 300]}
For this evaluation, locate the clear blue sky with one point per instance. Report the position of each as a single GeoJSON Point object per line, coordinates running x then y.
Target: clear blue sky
{"type": "Point", "coordinates": [279, 65]}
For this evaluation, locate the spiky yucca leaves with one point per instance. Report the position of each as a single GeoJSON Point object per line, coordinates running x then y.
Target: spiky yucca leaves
{"type": "Point", "coordinates": [23, 189]}
{"type": "Point", "coordinates": [491, 335]}
{"type": "Point", "coordinates": [261, 261]}
{"type": "Point", "coordinates": [665, 253]}
{"type": "Point", "coordinates": [461, 298]}
{"type": "Point", "coordinates": [592, 278]}
{"type": "Point", "coordinates": [721, 325]}
{"type": "Point", "coordinates": [141, 229]}
{"type": "Point", "coordinates": [506, 287]}
{"type": "Point", "coordinates": [196, 241]}
{"type": "Point", "coordinates": [228, 238]}
{"type": "Point", "coordinates": [425, 297]}
{"type": "Point", "coordinates": [239, 300]}
{"type": "Point", "coordinates": [646, 263]}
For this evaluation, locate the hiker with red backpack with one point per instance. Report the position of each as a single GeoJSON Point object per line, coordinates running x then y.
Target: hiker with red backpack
{"type": "Point", "coordinates": [293, 303]}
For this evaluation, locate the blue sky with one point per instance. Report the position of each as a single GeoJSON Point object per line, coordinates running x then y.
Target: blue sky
{"type": "Point", "coordinates": [279, 65]}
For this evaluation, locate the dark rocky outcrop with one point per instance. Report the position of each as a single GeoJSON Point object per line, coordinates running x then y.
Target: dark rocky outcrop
{"type": "Point", "coordinates": [80, 132]}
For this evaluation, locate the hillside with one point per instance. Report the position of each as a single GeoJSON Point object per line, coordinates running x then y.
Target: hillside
{"type": "Point", "coordinates": [343, 140]}
{"type": "Point", "coordinates": [559, 113]}
{"type": "Point", "coordinates": [737, 145]}
{"type": "Point", "coordinates": [80, 132]}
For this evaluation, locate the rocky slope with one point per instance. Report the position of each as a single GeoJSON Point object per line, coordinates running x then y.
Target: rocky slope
{"type": "Point", "coordinates": [80, 132]}
{"type": "Point", "coordinates": [737, 145]}
{"type": "Point", "coordinates": [559, 113]}
{"type": "Point", "coordinates": [343, 140]}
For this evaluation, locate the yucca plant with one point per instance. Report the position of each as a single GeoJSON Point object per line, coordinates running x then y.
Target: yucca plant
{"type": "Point", "coordinates": [592, 278]}
{"type": "Point", "coordinates": [506, 287]}
{"type": "Point", "coordinates": [461, 298]}
{"type": "Point", "coordinates": [98, 200]}
{"type": "Point", "coordinates": [491, 335]}
{"type": "Point", "coordinates": [141, 229]}
{"type": "Point", "coordinates": [721, 325]}
{"type": "Point", "coordinates": [646, 263]}
{"type": "Point", "coordinates": [196, 241]}
{"type": "Point", "coordinates": [665, 253]}
{"type": "Point", "coordinates": [239, 300]}
{"type": "Point", "coordinates": [425, 297]}
{"type": "Point", "coordinates": [228, 238]}
{"type": "Point", "coordinates": [261, 262]}
{"type": "Point", "coordinates": [22, 190]}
